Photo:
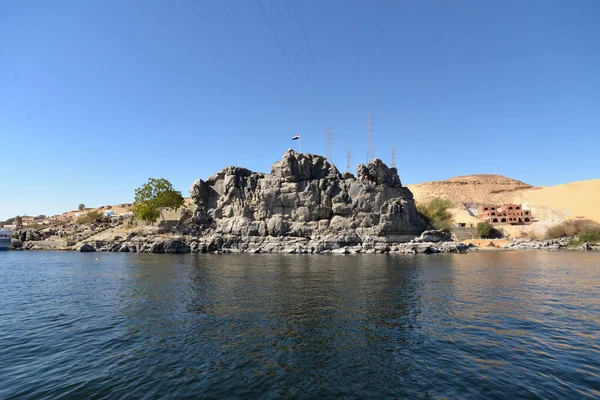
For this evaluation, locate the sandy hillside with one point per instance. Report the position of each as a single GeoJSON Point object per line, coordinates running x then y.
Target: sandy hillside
{"type": "Point", "coordinates": [549, 205]}
{"type": "Point", "coordinates": [470, 189]}
{"type": "Point", "coordinates": [579, 199]}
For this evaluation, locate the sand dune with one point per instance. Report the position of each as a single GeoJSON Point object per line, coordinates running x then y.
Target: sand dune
{"type": "Point", "coordinates": [579, 199]}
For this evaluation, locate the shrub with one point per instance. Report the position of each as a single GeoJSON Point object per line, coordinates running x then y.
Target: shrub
{"type": "Point", "coordinates": [88, 218]}
{"type": "Point", "coordinates": [94, 214]}
{"type": "Point", "coordinates": [486, 230]}
{"type": "Point", "coordinates": [589, 236]}
{"type": "Point", "coordinates": [556, 231]}
{"type": "Point", "coordinates": [580, 227]}
{"type": "Point", "coordinates": [436, 213]}
{"type": "Point", "coordinates": [83, 219]}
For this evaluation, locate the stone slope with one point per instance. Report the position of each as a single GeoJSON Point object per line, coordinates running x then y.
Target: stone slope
{"type": "Point", "coordinates": [305, 197]}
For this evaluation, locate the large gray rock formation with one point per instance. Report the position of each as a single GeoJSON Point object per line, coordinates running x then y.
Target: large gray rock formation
{"type": "Point", "coordinates": [306, 197]}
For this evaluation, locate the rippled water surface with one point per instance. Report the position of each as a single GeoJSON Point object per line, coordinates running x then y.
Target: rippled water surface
{"type": "Point", "coordinates": [493, 325]}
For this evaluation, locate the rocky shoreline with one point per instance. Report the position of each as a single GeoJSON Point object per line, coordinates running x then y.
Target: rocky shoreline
{"type": "Point", "coordinates": [429, 242]}
{"type": "Point", "coordinates": [550, 244]}
{"type": "Point", "coordinates": [304, 206]}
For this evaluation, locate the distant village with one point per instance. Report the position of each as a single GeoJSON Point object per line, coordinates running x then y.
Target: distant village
{"type": "Point", "coordinates": [110, 213]}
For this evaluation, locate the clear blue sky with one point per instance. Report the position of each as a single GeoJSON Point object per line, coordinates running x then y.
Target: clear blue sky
{"type": "Point", "coordinates": [98, 96]}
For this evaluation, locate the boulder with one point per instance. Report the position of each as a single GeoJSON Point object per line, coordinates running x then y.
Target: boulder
{"type": "Point", "coordinates": [157, 247]}
{"type": "Point", "coordinates": [434, 236]}
{"type": "Point", "coordinates": [86, 248]}
{"type": "Point", "coordinates": [176, 246]}
{"type": "Point", "coordinates": [586, 247]}
{"type": "Point", "coordinates": [115, 247]}
{"type": "Point", "coordinates": [31, 235]}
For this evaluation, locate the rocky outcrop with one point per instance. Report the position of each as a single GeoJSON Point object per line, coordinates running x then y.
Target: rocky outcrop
{"type": "Point", "coordinates": [306, 198]}
{"type": "Point", "coordinates": [28, 235]}
{"type": "Point", "coordinates": [87, 248]}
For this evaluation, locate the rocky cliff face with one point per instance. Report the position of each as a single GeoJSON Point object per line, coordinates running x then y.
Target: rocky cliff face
{"type": "Point", "coordinates": [306, 197]}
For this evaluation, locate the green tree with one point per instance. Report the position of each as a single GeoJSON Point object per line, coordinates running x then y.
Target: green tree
{"type": "Point", "coordinates": [81, 207]}
{"type": "Point", "coordinates": [18, 221]}
{"type": "Point", "coordinates": [436, 213]}
{"type": "Point", "coordinates": [486, 230]}
{"type": "Point", "coordinates": [153, 196]}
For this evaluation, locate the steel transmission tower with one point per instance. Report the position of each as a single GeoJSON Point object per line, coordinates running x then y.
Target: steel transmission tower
{"type": "Point", "coordinates": [329, 155]}
{"type": "Point", "coordinates": [348, 161]}
{"type": "Point", "coordinates": [370, 148]}
{"type": "Point", "coordinates": [393, 153]}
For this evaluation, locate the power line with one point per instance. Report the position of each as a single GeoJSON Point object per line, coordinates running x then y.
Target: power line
{"type": "Point", "coordinates": [193, 26]}
{"type": "Point", "coordinates": [311, 55]}
{"type": "Point", "coordinates": [287, 57]}
{"type": "Point", "coordinates": [181, 13]}
{"type": "Point", "coordinates": [192, 6]}
{"type": "Point", "coordinates": [380, 57]}
{"type": "Point", "coordinates": [355, 36]}
{"type": "Point", "coordinates": [393, 153]}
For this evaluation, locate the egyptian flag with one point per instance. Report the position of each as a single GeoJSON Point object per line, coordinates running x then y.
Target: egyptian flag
{"type": "Point", "coordinates": [296, 137]}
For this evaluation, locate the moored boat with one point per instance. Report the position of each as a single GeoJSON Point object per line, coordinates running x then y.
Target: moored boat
{"type": "Point", "coordinates": [5, 238]}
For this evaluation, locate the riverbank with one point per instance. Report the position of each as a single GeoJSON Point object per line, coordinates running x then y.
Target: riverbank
{"type": "Point", "coordinates": [153, 241]}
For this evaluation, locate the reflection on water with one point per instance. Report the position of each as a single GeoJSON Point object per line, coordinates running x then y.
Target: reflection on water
{"type": "Point", "coordinates": [497, 324]}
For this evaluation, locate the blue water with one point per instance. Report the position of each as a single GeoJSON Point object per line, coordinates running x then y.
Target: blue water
{"type": "Point", "coordinates": [478, 325]}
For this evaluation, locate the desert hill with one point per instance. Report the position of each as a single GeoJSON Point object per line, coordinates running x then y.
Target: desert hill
{"type": "Point", "coordinates": [485, 188]}
{"type": "Point", "coordinates": [550, 204]}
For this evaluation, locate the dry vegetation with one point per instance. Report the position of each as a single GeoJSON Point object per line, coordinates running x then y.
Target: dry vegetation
{"type": "Point", "coordinates": [89, 217]}
{"type": "Point", "coordinates": [435, 211]}
{"type": "Point", "coordinates": [584, 229]}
